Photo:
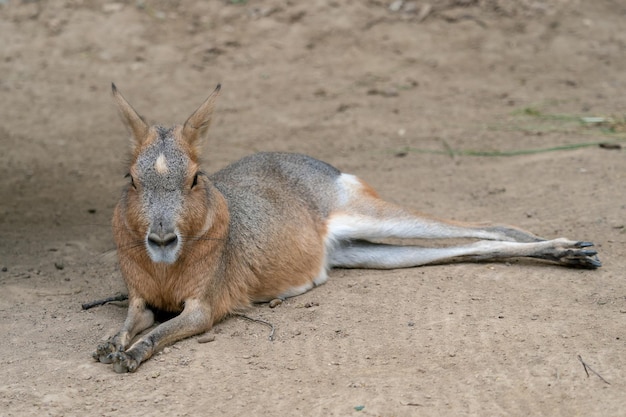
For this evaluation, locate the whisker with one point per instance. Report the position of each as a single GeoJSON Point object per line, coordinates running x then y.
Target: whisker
{"type": "Point", "coordinates": [200, 238]}
{"type": "Point", "coordinates": [93, 224]}
{"type": "Point", "coordinates": [108, 253]}
{"type": "Point", "coordinates": [132, 245]}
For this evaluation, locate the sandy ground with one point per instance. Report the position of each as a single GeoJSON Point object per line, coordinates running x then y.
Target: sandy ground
{"type": "Point", "coordinates": [369, 86]}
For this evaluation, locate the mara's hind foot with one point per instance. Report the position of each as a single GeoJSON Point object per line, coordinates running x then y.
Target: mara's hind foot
{"type": "Point", "coordinates": [570, 253]}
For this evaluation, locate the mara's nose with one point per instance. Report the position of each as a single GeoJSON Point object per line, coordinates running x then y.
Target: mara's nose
{"type": "Point", "coordinates": [162, 240]}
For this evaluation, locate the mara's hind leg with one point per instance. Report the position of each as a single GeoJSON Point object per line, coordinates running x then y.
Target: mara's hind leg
{"type": "Point", "coordinates": [364, 254]}
{"type": "Point", "coordinates": [362, 216]}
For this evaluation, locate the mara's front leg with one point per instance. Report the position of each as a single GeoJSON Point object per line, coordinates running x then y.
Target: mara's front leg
{"type": "Point", "coordinates": [194, 319]}
{"type": "Point", "coordinates": [138, 319]}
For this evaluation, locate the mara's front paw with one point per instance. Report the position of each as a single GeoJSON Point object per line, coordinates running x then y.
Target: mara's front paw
{"type": "Point", "coordinates": [104, 351]}
{"type": "Point", "coordinates": [123, 362]}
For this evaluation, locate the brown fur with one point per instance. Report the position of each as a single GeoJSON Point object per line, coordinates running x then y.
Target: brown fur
{"type": "Point", "coordinates": [166, 287]}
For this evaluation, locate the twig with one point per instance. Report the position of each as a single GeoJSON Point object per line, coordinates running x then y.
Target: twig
{"type": "Point", "coordinates": [97, 303]}
{"type": "Point", "coordinates": [267, 323]}
{"type": "Point", "coordinates": [411, 404]}
{"type": "Point", "coordinates": [588, 368]}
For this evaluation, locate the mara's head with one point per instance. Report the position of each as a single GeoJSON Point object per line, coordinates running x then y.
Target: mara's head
{"type": "Point", "coordinates": [164, 203]}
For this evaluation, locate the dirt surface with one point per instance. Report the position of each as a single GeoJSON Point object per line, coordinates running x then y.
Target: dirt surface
{"type": "Point", "coordinates": [370, 87]}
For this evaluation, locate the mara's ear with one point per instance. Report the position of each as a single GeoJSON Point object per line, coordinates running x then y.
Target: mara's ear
{"type": "Point", "coordinates": [198, 123]}
{"type": "Point", "coordinates": [135, 123]}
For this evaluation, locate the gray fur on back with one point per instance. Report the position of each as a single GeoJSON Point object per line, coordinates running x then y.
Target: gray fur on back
{"type": "Point", "coordinates": [262, 188]}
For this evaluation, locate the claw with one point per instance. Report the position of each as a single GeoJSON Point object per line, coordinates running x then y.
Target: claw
{"type": "Point", "coordinates": [586, 262]}
{"type": "Point", "coordinates": [589, 252]}
{"type": "Point", "coordinates": [583, 244]}
{"type": "Point", "coordinates": [595, 262]}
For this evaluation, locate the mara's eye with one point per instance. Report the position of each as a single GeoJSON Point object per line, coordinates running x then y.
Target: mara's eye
{"type": "Point", "coordinates": [195, 181]}
{"type": "Point", "coordinates": [132, 181]}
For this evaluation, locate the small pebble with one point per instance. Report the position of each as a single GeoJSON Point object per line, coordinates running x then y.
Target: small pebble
{"type": "Point", "coordinates": [275, 302]}
{"type": "Point", "coordinates": [396, 5]}
{"type": "Point", "coordinates": [112, 7]}
{"type": "Point", "coordinates": [206, 338]}
{"type": "Point", "coordinates": [59, 265]}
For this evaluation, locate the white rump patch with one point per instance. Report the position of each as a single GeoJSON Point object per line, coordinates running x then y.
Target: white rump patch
{"type": "Point", "coordinates": [348, 184]}
{"type": "Point", "coordinates": [161, 165]}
